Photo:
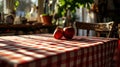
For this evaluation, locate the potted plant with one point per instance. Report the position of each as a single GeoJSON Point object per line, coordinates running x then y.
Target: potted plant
{"type": "Point", "coordinates": [46, 19]}
{"type": "Point", "coordinates": [67, 8]}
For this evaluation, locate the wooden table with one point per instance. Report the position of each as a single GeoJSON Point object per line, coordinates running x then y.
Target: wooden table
{"type": "Point", "coordinates": [42, 50]}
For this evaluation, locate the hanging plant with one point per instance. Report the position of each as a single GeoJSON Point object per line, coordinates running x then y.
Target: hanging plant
{"type": "Point", "coordinates": [67, 8]}
{"type": "Point", "coordinates": [71, 5]}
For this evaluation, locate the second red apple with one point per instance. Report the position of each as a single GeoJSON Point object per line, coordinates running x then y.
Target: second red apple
{"type": "Point", "coordinates": [68, 32]}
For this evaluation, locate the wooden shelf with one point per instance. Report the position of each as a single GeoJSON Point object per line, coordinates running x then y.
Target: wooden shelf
{"type": "Point", "coordinates": [26, 28]}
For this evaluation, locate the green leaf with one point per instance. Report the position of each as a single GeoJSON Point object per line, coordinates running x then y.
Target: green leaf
{"type": "Point", "coordinates": [17, 3]}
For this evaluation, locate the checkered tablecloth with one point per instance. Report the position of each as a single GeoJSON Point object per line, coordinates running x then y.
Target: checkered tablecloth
{"type": "Point", "coordinates": [117, 55]}
{"type": "Point", "coordinates": [42, 50]}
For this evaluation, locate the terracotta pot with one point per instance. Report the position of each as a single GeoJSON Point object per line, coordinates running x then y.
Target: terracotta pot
{"type": "Point", "coordinates": [46, 19]}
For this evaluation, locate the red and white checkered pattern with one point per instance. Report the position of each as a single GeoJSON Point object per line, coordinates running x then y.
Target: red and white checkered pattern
{"type": "Point", "coordinates": [42, 50]}
{"type": "Point", "coordinates": [117, 55]}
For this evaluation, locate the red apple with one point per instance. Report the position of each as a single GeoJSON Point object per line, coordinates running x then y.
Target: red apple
{"type": "Point", "coordinates": [68, 32]}
{"type": "Point", "coordinates": [58, 33]}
